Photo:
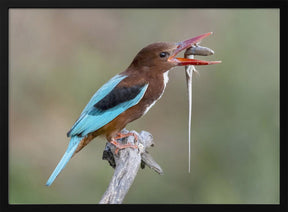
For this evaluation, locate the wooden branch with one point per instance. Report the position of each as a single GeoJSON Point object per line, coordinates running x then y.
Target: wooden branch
{"type": "Point", "coordinates": [126, 164]}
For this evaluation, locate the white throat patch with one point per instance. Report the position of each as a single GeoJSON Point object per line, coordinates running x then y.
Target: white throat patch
{"type": "Point", "coordinates": [166, 79]}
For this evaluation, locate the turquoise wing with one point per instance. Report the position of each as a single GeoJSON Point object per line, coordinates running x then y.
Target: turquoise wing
{"type": "Point", "coordinates": [106, 104]}
{"type": "Point", "coordinates": [103, 91]}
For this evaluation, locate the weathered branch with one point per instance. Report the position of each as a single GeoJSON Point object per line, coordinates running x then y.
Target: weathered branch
{"type": "Point", "coordinates": [126, 164]}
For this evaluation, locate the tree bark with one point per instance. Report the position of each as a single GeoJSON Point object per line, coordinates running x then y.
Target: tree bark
{"type": "Point", "coordinates": [126, 164]}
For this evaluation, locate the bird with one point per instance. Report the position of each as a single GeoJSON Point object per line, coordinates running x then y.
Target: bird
{"type": "Point", "coordinates": [127, 96]}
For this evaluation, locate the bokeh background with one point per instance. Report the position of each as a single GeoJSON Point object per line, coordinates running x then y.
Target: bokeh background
{"type": "Point", "coordinates": [58, 58]}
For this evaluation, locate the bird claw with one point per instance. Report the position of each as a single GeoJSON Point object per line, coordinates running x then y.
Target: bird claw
{"type": "Point", "coordinates": [123, 146]}
{"type": "Point", "coordinates": [125, 135]}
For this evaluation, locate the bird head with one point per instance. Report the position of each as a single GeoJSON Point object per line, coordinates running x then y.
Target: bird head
{"type": "Point", "coordinates": [162, 55]}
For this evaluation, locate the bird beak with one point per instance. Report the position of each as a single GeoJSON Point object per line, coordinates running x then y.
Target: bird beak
{"type": "Point", "coordinates": [185, 45]}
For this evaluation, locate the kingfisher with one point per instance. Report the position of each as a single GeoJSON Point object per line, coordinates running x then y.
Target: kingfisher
{"type": "Point", "coordinates": [126, 97]}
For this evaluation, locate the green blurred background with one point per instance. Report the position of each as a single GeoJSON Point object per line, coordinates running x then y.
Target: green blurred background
{"type": "Point", "coordinates": [60, 57]}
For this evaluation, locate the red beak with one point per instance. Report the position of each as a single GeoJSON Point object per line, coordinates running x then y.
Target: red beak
{"type": "Point", "coordinates": [186, 44]}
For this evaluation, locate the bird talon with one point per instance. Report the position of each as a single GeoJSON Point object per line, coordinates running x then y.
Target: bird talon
{"type": "Point", "coordinates": [122, 135]}
{"type": "Point", "coordinates": [122, 146]}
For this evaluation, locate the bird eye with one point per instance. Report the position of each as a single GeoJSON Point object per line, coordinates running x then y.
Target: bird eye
{"type": "Point", "coordinates": [164, 54]}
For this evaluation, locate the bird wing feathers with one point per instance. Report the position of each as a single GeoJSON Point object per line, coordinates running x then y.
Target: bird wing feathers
{"type": "Point", "coordinates": [106, 104]}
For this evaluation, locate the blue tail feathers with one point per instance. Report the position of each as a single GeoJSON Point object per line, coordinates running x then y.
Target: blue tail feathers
{"type": "Point", "coordinates": [74, 142]}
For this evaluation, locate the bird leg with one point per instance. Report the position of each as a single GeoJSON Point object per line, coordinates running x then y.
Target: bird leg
{"type": "Point", "coordinates": [123, 146]}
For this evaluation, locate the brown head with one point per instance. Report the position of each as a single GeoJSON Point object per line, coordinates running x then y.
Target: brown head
{"type": "Point", "coordinates": [161, 56]}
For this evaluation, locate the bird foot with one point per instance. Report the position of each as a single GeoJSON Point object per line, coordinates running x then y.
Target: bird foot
{"type": "Point", "coordinates": [125, 135]}
{"type": "Point", "coordinates": [123, 146]}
